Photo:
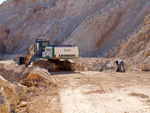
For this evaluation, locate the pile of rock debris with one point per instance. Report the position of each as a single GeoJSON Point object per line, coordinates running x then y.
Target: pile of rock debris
{"type": "Point", "coordinates": [16, 82]}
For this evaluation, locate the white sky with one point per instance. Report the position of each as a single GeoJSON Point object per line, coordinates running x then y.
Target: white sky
{"type": "Point", "coordinates": [1, 1]}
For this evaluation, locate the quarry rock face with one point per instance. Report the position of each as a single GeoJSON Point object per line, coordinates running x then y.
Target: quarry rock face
{"type": "Point", "coordinates": [137, 49]}
{"type": "Point", "coordinates": [93, 25]}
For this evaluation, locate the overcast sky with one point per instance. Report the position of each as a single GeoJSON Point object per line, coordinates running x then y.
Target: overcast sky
{"type": "Point", "coordinates": [1, 1]}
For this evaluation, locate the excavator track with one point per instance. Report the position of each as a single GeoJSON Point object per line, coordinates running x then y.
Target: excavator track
{"type": "Point", "coordinates": [55, 65]}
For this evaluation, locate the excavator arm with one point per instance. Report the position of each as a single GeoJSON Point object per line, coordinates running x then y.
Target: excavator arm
{"type": "Point", "coordinates": [27, 58]}
{"type": "Point", "coordinates": [31, 52]}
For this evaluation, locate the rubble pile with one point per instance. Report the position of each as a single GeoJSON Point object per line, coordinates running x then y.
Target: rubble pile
{"type": "Point", "coordinates": [93, 64]}
{"type": "Point", "coordinates": [21, 72]}
{"type": "Point", "coordinates": [16, 82]}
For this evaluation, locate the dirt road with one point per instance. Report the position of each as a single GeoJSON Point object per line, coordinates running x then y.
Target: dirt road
{"type": "Point", "coordinates": [94, 92]}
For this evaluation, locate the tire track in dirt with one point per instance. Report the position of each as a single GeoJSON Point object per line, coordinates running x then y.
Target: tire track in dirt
{"type": "Point", "coordinates": [105, 93]}
{"type": "Point", "coordinates": [94, 92]}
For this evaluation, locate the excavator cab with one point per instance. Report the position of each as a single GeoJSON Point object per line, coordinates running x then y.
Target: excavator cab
{"type": "Point", "coordinates": [41, 43]}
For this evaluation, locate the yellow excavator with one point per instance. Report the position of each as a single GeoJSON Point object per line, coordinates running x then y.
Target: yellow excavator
{"type": "Point", "coordinates": [59, 55]}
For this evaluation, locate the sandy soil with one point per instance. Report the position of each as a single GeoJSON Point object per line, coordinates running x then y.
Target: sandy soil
{"type": "Point", "coordinates": [94, 92]}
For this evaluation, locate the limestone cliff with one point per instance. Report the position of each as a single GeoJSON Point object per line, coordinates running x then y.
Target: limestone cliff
{"type": "Point", "coordinates": [93, 25]}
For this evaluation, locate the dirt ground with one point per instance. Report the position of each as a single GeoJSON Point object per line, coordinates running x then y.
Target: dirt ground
{"type": "Point", "coordinates": [94, 92]}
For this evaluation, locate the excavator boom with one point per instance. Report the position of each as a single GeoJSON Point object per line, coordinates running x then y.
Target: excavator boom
{"type": "Point", "coordinates": [31, 52]}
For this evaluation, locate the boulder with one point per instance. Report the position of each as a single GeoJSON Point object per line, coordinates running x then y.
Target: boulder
{"type": "Point", "coordinates": [5, 108]}
{"type": "Point", "coordinates": [11, 66]}
{"type": "Point", "coordinates": [21, 89]}
{"type": "Point", "coordinates": [19, 69]}
{"type": "Point", "coordinates": [9, 97]}
{"type": "Point", "coordinates": [25, 73]}
{"type": "Point", "coordinates": [27, 82]}
{"type": "Point", "coordinates": [7, 64]}
{"type": "Point", "coordinates": [35, 76]}
{"type": "Point", "coordinates": [145, 67]}
{"type": "Point", "coordinates": [22, 104]}
{"type": "Point", "coordinates": [11, 71]}
{"type": "Point", "coordinates": [39, 74]}
{"type": "Point", "coordinates": [110, 66]}
{"type": "Point", "coordinates": [4, 104]}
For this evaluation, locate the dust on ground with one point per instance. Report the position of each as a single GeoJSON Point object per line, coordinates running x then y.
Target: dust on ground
{"type": "Point", "coordinates": [94, 92]}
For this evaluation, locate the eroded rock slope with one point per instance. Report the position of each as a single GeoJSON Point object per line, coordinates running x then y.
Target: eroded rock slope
{"type": "Point", "coordinates": [93, 25]}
